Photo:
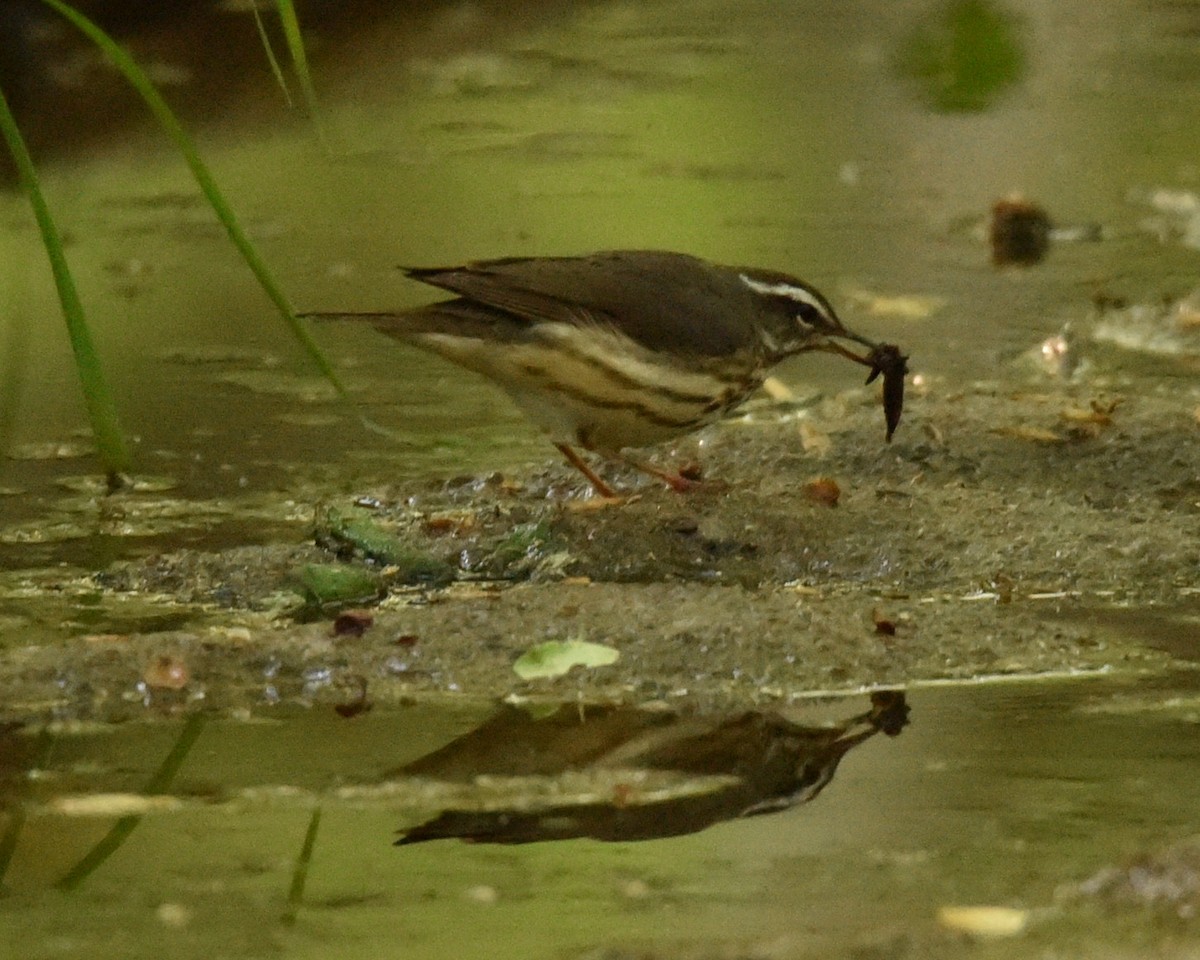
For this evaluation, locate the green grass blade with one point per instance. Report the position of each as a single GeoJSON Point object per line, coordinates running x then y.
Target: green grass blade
{"type": "Point", "coordinates": [14, 355]}
{"type": "Point", "coordinates": [295, 42]}
{"type": "Point", "coordinates": [98, 398]}
{"type": "Point", "coordinates": [8, 839]}
{"type": "Point", "coordinates": [111, 842]}
{"type": "Point", "coordinates": [168, 121]}
{"type": "Point", "coordinates": [272, 60]}
{"type": "Point", "coordinates": [300, 873]}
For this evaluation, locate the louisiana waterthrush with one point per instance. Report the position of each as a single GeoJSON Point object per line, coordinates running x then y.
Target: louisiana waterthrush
{"type": "Point", "coordinates": [627, 348]}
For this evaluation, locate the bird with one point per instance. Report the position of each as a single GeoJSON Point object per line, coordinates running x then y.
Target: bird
{"type": "Point", "coordinates": [623, 349]}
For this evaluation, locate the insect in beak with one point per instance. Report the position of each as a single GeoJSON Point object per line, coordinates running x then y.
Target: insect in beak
{"type": "Point", "coordinates": [882, 358]}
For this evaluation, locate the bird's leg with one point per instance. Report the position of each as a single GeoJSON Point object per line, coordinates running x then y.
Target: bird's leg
{"type": "Point", "coordinates": [574, 459]}
{"type": "Point", "coordinates": [673, 479]}
{"type": "Point", "coordinates": [677, 480]}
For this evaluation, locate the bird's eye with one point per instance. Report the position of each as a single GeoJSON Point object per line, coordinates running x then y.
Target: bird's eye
{"type": "Point", "coordinates": [811, 309]}
{"type": "Point", "coordinates": [810, 316]}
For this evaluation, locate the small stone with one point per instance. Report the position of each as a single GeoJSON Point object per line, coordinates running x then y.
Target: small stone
{"type": "Point", "coordinates": [167, 673]}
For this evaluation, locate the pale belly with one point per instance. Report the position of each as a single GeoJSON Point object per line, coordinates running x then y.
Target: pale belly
{"type": "Point", "coordinates": [606, 430]}
{"type": "Point", "coordinates": [602, 399]}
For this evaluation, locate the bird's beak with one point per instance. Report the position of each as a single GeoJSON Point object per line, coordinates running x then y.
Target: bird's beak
{"type": "Point", "coordinates": [830, 344]}
{"type": "Point", "coordinates": [882, 358]}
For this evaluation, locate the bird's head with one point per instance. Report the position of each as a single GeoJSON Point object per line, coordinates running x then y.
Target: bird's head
{"type": "Point", "coordinates": [796, 317]}
{"type": "Point", "coordinates": [802, 318]}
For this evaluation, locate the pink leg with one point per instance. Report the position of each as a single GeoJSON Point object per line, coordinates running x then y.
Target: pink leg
{"type": "Point", "coordinates": [574, 459]}
{"type": "Point", "coordinates": [676, 481]}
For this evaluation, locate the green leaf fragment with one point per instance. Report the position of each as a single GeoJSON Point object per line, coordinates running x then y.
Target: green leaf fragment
{"type": "Point", "coordinates": [371, 541]}
{"type": "Point", "coordinates": [556, 657]}
{"type": "Point", "coordinates": [329, 583]}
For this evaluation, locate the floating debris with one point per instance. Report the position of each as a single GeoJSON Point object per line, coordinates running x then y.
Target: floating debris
{"type": "Point", "coordinates": [1019, 232]}
{"type": "Point", "coordinates": [984, 921]}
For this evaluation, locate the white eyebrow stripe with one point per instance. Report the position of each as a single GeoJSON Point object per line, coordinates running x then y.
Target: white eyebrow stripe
{"type": "Point", "coordinates": [799, 294]}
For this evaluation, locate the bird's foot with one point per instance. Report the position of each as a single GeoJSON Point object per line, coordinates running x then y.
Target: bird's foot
{"type": "Point", "coordinates": [687, 479]}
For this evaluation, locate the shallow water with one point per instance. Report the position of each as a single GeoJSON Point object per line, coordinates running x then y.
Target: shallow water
{"type": "Point", "coordinates": [779, 135]}
{"type": "Point", "coordinates": [994, 795]}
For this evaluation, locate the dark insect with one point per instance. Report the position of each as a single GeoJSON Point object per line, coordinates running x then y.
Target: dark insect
{"type": "Point", "coordinates": [887, 359]}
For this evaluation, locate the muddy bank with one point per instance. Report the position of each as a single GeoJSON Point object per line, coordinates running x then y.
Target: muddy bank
{"type": "Point", "coordinates": [993, 535]}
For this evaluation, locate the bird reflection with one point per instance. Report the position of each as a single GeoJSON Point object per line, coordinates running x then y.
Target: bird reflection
{"type": "Point", "coordinates": [619, 773]}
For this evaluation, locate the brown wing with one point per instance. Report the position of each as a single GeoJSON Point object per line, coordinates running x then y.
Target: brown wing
{"type": "Point", "coordinates": [661, 300]}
